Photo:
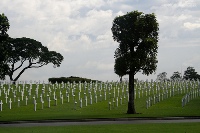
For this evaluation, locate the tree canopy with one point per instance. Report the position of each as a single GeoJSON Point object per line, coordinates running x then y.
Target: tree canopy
{"type": "Point", "coordinates": [162, 76]}
{"type": "Point", "coordinates": [19, 54]}
{"type": "Point", "coordinates": [120, 67]}
{"type": "Point", "coordinates": [30, 51]}
{"type": "Point", "coordinates": [137, 35]}
{"type": "Point", "coordinates": [191, 74]}
{"type": "Point", "coordinates": [176, 76]}
{"type": "Point", "coordinates": [4, 26]}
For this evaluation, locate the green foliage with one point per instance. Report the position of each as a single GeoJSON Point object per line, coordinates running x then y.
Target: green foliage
{"type": "Point", "coordinates": [15, 52]}
{"type": "Point", "coordinates": [4, 26]}
{"type": "Point", "coordinates": [162, 76]}
{"type": "Point", "coordinates": [191, 74]}
{"type": "Point", "coordinates": [71, 79]}
{"type": "Point", "coordinates": [176, 76]}
{"type": "Point", "coordinates": [137, 35]}
{"type": "Point", "coordinates": [23, 50]}
{"type": "Point", "coordinates": [120, 67]}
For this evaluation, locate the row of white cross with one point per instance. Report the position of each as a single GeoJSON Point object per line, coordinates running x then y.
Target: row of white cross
{"type": "Point", "coordinates": [51, 90]}
{"type": "Point", "coordinates": [193, 93]}
{"type": "Point", "coordinates": [189, 96]}
{"type": "Point", "coordinates": [156, 89]}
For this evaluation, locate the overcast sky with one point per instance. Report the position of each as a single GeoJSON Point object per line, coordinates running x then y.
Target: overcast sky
{"type": "Point", "coordinates": [81, 31]}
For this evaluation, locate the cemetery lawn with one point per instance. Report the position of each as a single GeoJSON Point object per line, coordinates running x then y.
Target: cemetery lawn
{"type": "Point", "coordinates": [98, 97]}
{"type": "Point", "coordinates": [170, 107]}
{"type": "Point", "coordinates": [128, 128]}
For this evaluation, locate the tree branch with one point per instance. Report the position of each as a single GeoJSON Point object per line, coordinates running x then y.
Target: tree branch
{"type": "Point", "coordinates": [21, 73]}
{"type": "Point", "coordinates": [38, 66]}
{"type": "Point", "coordinates": [22, 62]}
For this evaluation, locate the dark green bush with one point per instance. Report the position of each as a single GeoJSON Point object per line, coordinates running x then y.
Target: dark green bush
{"type": "Point", "coordinates": [70, 79]}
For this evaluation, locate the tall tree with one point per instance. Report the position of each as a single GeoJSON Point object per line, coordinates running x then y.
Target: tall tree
{"type": "Point", "coordinates": [162, 76]}
{"type": "Point", "coordinates": [137, 35]}
{"type": "Point", "coordinates": [176, 76]}
{"type": "Point", "coordinates": [4, 26]}
{"type": "Point", "coordinates": [191, 74]}
{"type": "Point", "coordinates": [25, 53]}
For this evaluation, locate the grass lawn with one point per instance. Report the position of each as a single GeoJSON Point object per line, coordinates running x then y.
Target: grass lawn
{"type": "Point", "coordinates": [169, 107]}
{"type": "Point", "coordinates": [128, 128]}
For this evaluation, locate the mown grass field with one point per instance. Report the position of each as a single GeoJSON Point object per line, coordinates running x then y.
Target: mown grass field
{"type": "Point", "coordinates": [168, 107]}
{"type": "Point", "coordinates": [128, 128]}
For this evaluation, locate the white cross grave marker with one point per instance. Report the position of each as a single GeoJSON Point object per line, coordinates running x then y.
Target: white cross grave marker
{"type": "Point", "coordinates": [81, 103]}
{"type": "Point", "coordinates": [75, 105]}
{"type": "Point", "coordinates": [26, 100]}
{"type": "Point", "coordinates": [6, 97]}
{"type": "Point", "coordinates": [91, 100]}
{"type": "Point", "coordinates": [86, 101]}
{"type": "Point", "coordinates": [68, 98]}
{"type": "Point", "coordinates": [96, 99]}
{"type": "Point", "coordinates": [42, 104]}
{"type": "Point", "coordinates": [18, 101]}
{"type": "Point", "coordinates": [1, 105]}
{"type": "Point", "coordinates": [22, 95]}
{"type": "Point", "coordinates": [109, 105]}
{"type": "Point", "coordinates": [55, 101]}
{"type": "Point", "coordinates": [35, 105]}
{"type": "Point", "coordinates": [10, 103]}
{"type": "Point", "coordinates": [117, 101]}
{"type": "Point", "coordinates": [49, 102]}
{"type": "Point", "coordinates": [61, 99]}
{"type": "Point", "coordinates": [121, 100]}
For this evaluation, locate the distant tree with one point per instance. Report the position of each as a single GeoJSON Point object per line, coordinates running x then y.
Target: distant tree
{"type": "Point", "coordinates": [28, 53]}
{"type": "Point", "coordinates": [162, 76]}
{"type": "Point", "coordinates": [176, 76]}
{"type": "Point", "coordinates": [120, 67]}
{"type": "Point", "coordinates": [137, 35]}
{"type": "Point", "coordinates": [190, 74]}
{"type": "Point", "coordinates": [4, 26]}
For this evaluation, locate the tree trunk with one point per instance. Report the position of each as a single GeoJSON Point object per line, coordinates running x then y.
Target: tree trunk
{"type": "Point", "coordinates": [16, 78]}
{"type": "Point", "coordinates": [11, 79]}
{"type": "Point", "coordinates": [120, 79]}
{"type": "Point", "coordinates": [131, 104]}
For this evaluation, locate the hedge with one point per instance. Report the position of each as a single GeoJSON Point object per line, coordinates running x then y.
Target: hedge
{"type": "Point", "coordinates": [71, 79]}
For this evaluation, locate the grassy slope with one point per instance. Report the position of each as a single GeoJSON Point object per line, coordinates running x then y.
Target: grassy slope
{"type": "Point", "coordinates": [166, 108]}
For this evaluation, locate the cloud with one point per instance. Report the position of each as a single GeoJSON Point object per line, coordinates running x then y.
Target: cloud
{"type": "Point", "coordinates": [99, 65]}
{"type": "Point", "coordinates": [186, 3]}
{"type": "Point", "coordinates": [191, 26]}
{"type": "Point", "coordinates": [174, 4]}
{"type": "Point", "coordinates": [177, 19]}
{"type": "Point", "coordinates": [193, 61]}
{"type": "Point", "coordinates": [81, 31]}
{"type": "Point", "coordinates": [183, 17]}
{"type": "Point", "coordinates": [58, 43]}
{"type": "Point", "coordinates": [89, 32]}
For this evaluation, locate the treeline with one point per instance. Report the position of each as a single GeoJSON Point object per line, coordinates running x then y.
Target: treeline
{"type": "Point", "coordinates": [70, 79]}
{"type": "Point", "coordinates": [189, 74]}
